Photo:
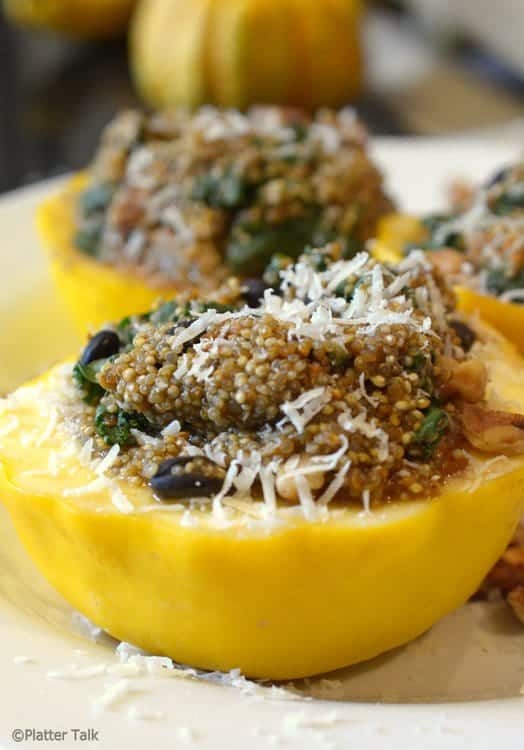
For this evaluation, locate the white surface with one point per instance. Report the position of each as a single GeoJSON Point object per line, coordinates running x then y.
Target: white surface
{"type": "Point", "coordinates": [478, 652]}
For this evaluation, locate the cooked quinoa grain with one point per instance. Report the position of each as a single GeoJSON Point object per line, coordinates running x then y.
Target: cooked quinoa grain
{"type": "Point", "coordinates": [350, 382]}
{"type": "Point", "coordinates": [181, 198]}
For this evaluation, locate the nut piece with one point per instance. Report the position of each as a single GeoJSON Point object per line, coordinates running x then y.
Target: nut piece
{"type": "Point", "coordinates": [449, 262]}
{"type": "Point", "coordinates": [493, 431]}
{"type": "Point", "coordinates": [467, 380]}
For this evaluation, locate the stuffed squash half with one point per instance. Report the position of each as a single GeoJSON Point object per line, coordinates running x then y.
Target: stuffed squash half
{"type": "Point", "coordinates": [288, 478]}
{"type": "Point", "coordinates": [177, 201]}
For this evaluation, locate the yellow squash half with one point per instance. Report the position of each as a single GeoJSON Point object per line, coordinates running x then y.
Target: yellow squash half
{"type": "Point", "coordinates": [282, 601]}
{"type": "Point", "coordinates": [396, 231]}
{"type": "Point", "coordinates": [94, 292]}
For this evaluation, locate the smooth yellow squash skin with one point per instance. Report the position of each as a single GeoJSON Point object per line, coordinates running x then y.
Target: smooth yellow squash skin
{"type": "Point", "coordinates": [295, 599]}
{"type": "Point", "coordinates": [395, 231]}
{"type": "Point", "coordinates": [235, 53]}
{"type": "Point", "coordinates": [94, 292]}
{"type": "Point", "coordinates": [77, 18]}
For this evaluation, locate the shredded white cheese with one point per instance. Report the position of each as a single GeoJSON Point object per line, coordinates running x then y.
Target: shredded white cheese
{"type": "Point", "coordinates": [173, 428]}
{"type": "Point", "coordinates": [114, 694]}
{"type": "Point", "coordinates": [368, 428]}
{"type": "Point", "coordinates": [335, 485]}
{"type": "Point", "coordinates": [366, 501]}
{"type": "Point", "coordinates": [302, 410]}
{"type": "Point", "coordinates": [107, 462]}
{"type": "Point", "coordinates": [96, 485]}
{"type": "Point", "coordinates": [120, 501]}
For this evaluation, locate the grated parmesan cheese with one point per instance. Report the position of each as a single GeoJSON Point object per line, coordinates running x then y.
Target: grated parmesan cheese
{"type": "Point", "coordinates": [173, 428]}
{"type": "Point", "coordinates": [334, 486]}
{"type": "Point", "coordinates": [366, 501]}
{"type": "Point", "coordinates": [101, 483]}
{"type": "Point", "coordinates": [114, 694]}
{"type": "Point", "coordinates": [23, 660]}
{"type": "Point", "coordinates": [10, 425]}
{"type": "Point", "coordinates": [120, 501]}
{"type": "Point", "coordinates": [86, 452]}
{"type": "Point", "coordinates": [305, 497]}
{"type": "Point", "coordinates": [109, 459]}
{"type": "Point", "coordinates": [369, 429]}
{"type": "Point", "coordinates": [144, 714]}
{"type": "Point", "coordinates": [302, 410]}
{"type": "Point", "coordinates": [364, 393]}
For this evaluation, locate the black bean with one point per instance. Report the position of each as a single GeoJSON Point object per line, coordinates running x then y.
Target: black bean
{"type": "Point", "coordinates": [253, 291]}
{"type": "Point", "coordinates": [183, 485]}
{"type": "Point", "coordinates": [466, 335]}
{"type": "Point", "coordinates": [103, 344]}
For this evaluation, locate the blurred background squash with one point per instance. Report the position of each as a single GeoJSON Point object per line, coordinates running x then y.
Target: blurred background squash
{"type": "Point", "coordinates": [238, 52]}
{"type": "Point", "coordinates": [79, 18]}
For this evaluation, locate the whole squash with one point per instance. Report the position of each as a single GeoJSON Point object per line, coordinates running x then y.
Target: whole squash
{"type": "Point", "coordinates": [239, 52]}
{"type": "Point", "coordinates": [79, 18]}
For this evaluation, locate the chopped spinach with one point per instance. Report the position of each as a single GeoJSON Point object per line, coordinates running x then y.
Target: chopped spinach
{"type": "Point", "coordinates": [317, 258]}
{"type": "Point", "coordinates": [499, 281]}
{"type": "Point", "coordinates": [85, 378]}
{"type": "Point", "coordinates": [96, 198]}
{"type": "Point", "coordinates": [350, 246]}
{"type": "Point", "coordinates": [432, 429]}
{"type": "Point", "coordinates": [435, 221]}
{"type": "Point", "coordinates": [338, 356]}
{"type": "Point", "coordinates": [218, 306]}
{"type": "Point", "coordinates": [512, 198]}
{"type": "Point", "coordinates": [115, 428]}
{"type": "Point", "coordinates": [420, 361]}
{"type": "Point", "coordinates": [300, 130]}
{"type": "Point", "coordinates": [277, 264]}
{"type": "Point", "coordinates": [252, 245]}
{"type": "Point", "coordinates": [169, 312]}
{"type": "Point", "coordinates": [226, 190]}
{"type": "Point", "coordinates": [348, 287]}
{"type": "Point", "coordinates": [88, 240]}
{"type": "Point", "coordinates": [437, 239]}
{"type": "Point", "coordinates": [126, 330]}
{"type": "Point", "coordinates": [422, 364]}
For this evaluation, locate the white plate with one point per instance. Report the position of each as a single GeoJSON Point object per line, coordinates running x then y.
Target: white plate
{"type": "Point", "coordinates": [457, 686]}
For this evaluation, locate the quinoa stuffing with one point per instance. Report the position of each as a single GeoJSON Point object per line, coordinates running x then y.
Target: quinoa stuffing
{"type": "Point", "coordinates": [350, 382]}
{"type": "Point", "coordinates": [183, 198]}
{"type": "Point", "coordinates": [480, 244]}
